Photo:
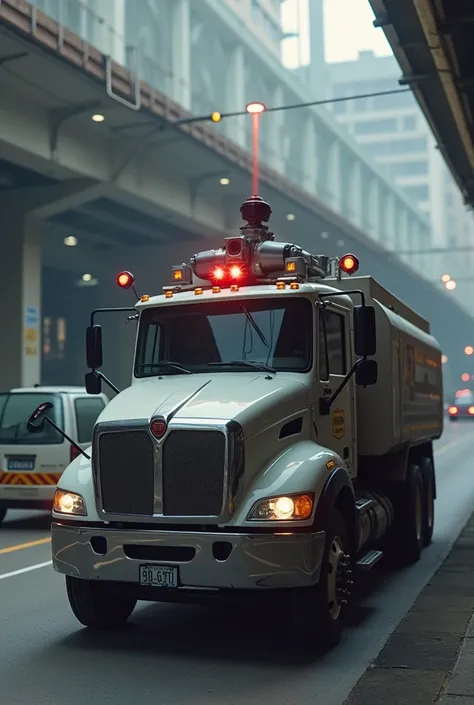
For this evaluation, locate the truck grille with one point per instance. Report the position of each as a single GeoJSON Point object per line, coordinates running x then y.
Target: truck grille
{"type": "Point", "coordinates": [193, 473]}
{"type": "Point", "coordinates": [126, 466]}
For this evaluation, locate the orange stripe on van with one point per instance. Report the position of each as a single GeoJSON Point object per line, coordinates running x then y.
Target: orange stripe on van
{"type": "Point", "coordinates": [29, 478]}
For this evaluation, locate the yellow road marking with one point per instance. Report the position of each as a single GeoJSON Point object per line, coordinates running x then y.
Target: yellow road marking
{"type": "Point", "coordinates": [21, 546]}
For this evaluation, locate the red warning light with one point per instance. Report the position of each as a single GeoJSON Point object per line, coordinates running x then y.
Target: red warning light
{"type": "Point", "coordinates": [236, 272]}
{"type": "Point", "coordinates": [349, 264]}
{"type": "Point", "coordinates": [125, 280]}
{"type": "Point", "coordinates": [218, 273]}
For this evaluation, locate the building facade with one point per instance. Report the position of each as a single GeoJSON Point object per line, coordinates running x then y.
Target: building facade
{"type": "Point", "coordinates": [394, 133]}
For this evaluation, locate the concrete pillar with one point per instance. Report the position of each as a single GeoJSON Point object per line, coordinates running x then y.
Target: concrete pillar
{"type": "Point", "coordinates": [309, 157]}
{"type": "Point", "coordinates": [20, 299]}
{"type": "Point", "coordinates": [356, 193]}
{"type": "Point", "coordinates": [403, 235]}
{"type": "Point", "coordinates": [373, 208]}
{"type": "Point", "coordinates": [181, 33]}
{"type": "Point", "coordinates": [118, 42]}
{"type": "Point", "coordinates": [391, 229]}
{"type": "Point", "coordinates": [235, 97]}
{"type": "Point", "coordinates": [335, 186]}
{"type": "Point", "coordinates": [317, 67]}
{"type": "Point", "coordinates": [22, 211]}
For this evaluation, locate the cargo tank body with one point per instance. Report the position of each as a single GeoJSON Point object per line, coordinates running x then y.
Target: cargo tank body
{"type": "Point", "coordinates": [406, 404]}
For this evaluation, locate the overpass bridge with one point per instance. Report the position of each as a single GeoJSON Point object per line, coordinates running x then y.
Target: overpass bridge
{"type": "Point", "coordinates": [140, 190]}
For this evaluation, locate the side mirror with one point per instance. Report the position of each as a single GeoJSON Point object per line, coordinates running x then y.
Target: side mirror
{"type": "Point", "coordinates": [94, 347]}
{"type": "Point", "coordinates": [365, 342]}
{"type": "Point", "coordinates": [37, 419]}
{"type": "Point", "coordinates": [93, 383]}
{"type": "Point", "coordinates": [366, 373]}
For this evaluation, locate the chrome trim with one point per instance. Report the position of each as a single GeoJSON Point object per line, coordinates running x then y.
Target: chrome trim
{"type": "Point", "coordinates": [233, 468]}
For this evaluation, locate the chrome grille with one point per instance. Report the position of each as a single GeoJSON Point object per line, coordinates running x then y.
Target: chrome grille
{"type": "Point", "coordinates": [193, 467]}
{"type": "Point", "coordinates": [126, 472]}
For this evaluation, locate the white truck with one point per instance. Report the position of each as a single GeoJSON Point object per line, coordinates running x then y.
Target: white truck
{"type": "Point", "coordinates": [276, 438]}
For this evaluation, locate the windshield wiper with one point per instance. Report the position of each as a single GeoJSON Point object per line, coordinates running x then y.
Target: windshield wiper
{"type": "Point", "coordinates": [167, 363]}
{"type": "Point", "coordinates": [255, 325]}
{"type": "Point", "coordinates": [250, 363]}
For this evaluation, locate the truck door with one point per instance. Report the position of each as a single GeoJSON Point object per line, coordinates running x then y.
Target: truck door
{"type": "Point", "coordinates": [336, 431]}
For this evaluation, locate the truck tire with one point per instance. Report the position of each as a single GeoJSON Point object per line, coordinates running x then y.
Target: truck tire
{"type": "Point", "coordinates": [405, 540]}
{"type": "Point", "coordinates": [98, 605]}
{"type": "Point", "coordinates": [427, 470]}
{"type": "Point", "coordinates": [3, 513]}
{"type": "Point", "coordinates": [317, 612]}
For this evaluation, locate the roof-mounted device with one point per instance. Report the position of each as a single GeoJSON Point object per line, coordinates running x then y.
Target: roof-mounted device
{"type": "Point", "coordinates": [253, 257]}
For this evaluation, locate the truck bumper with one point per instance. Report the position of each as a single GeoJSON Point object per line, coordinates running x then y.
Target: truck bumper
{"type": "Point", "coordinates": [204, 560]}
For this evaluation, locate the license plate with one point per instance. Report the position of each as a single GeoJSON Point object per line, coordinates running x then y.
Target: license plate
{"type": "Point", "coordinates": [20, 464]}
{"type": "Point", "coordinates": [159, 576]}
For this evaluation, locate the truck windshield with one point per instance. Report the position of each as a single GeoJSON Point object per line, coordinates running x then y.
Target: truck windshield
{"type": "Point", "coordinates": [238, 335]}
{"type": "Point", "coordinates": [15, 410]}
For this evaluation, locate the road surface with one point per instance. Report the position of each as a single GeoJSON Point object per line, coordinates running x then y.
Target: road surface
{"type": "Point", "coordinates": [186, 655]}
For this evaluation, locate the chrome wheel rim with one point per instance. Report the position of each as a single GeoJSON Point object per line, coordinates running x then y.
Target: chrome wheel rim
{"type": "Point", "coordinates": [336, 553]}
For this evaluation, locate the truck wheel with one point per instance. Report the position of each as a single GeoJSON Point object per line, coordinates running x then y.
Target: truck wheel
{"type": "Point", "coordinates": [98, 605]}
{"type": "Point", "coordinates": [427, 470]}
{"type": "Point", "coordinates": [405, 541]}
{"type": "Point", "coordinates": [3, 513]}
{"type": "Point", "coordinates": [317, 612]}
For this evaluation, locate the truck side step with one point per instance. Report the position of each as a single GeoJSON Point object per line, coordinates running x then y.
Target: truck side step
{"type": "Point", "coordinates": [364, 503]}
{"type": "Point", "coordinates": [369, 559]}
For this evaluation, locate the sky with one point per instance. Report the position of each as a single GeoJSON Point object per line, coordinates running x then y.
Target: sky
{"type": "Point", "coordinates": [348, 29]}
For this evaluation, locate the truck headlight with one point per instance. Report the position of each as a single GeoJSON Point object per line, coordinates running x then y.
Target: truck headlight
{"type": "Point", "coordinates": [69, 503]}
{"type": "Point", "coordinates": [286, 508]}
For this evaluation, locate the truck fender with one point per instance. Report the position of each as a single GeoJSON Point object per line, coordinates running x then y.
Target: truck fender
{"type": "Point", "coordinates": [302, 467]}
{"type": "Point", "coordinates": [338, 493]}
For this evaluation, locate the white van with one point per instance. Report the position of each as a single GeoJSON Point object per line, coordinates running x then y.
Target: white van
{"type": "Point", "coordinates": [31, 464]}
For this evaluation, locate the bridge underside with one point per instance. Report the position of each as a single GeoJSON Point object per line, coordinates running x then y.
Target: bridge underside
{"type": "Point", "coordinates": [433, 41]}
{"type": "Point", "coordinates": [141, 194]}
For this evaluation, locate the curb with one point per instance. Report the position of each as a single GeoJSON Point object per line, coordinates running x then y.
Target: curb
{"type": "Point", "coordinates": [419, 664]}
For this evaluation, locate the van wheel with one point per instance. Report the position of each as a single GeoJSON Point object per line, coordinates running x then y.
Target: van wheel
{"type": "Point", "coordinates": [317, 612]}
{"type": "Point", "coordinates": [98, 605]}
{"type": "Point", "coordinates": [429, 492]}
{"type": "Point", "coordinates": [3, 513]}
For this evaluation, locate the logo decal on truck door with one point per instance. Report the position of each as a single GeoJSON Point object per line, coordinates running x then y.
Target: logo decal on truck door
{"type": "Point", "coordinates": [339, 424]}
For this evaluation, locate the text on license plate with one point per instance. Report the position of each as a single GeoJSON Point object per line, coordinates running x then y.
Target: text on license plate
{"type": "Point", "coordinates": [21, 464]}
{"type": "Point", "coordinates": [159, 576]}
